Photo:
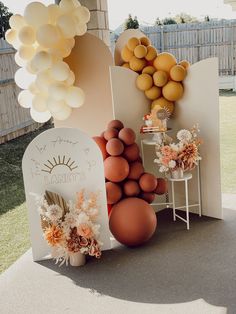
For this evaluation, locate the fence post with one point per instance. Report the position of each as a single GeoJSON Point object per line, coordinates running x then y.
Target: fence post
{"type": "Point", "coordinates": [232, 48]}
{"type": "Point", "coordinates": [162, 39]}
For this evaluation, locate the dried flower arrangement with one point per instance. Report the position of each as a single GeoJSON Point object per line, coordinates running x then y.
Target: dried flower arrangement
{"type": "Point", "coordinates": [70, 227]}
{"type": "Point", "coordinates": [182, 155]}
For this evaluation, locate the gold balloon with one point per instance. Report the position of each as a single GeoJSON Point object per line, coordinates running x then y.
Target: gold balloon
{"type": "Point", "coordinates": [27, 35]}
{"type": "Point", "coordinates": [132, 43]}
{"type": "Point", "coordinates": [149, 70]}
{"type": "Point", "coordinates": [173, 91]}
{"type": "Point", "coordinates": [144, 82]}
{"type": "Point", "coordinates": [126, 54]}
{"type": "Point", "coordinates": [48, 35]}
{"type": "Point", "coordinates": [185, 64]}
{"type": "Point", "coordinates": [153, 93]}
{"type": "Point", "coordinates": [163, 103]}
{"type": "Point", "coordinates": [160, 78]}
{"type": "Point", "coordinates": [151, 53]}
{"type": "Point", "coordinates": [164, 61]}
{"type": "Point", "coordinates": [140, 51]}
{"type": "Point", "coordinates": [137, 64]}
{"type": "Point", "coordinates": [145, 41]}
{"type": "Point", "coordinates": [178, 73]}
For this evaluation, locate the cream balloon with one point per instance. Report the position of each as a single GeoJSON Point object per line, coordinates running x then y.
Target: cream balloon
{"type": "Point", "coordinates": [39, 103]}
{"type": "Point", "coordinates": [75, 97]}
{"type": "Point", "coordinates": [63, 114]}
{"type": "Point", "coordinates": [60, 71]}
{"type": "Point", "coordinates": [40, 117]}
{"type": "Point", "coordinates": [43, 80]}
{"type": "Point", "coordinates": [57, 91]}
{"type": "Point", "coordinates": [36, 14]}
{"type": "Point", "coordinates": [55, 106]}
{"type": "Point", "coordinates": [33, 88]}
{"type": "Point", "coordinates": [11, 36]}
{"type": "Point", "coordinates": [54, 12]}
{"type": "Point", "coordinates": [83, 14]}
{"type": "Point", "coordinates": [25, 98]}
{"type": "Point", "coordinates": [81, 29]}
{"type": "Point", "coordinates": [17, 21]}
{"type": "Point", "coordinates": [19, 60]}
{"type": "Point", "coordinates": [23, 78]}
{"type": "Point", "coordinates": [29, 67]}
{"type": "Point", "coordinates": [41, 61]}
{"type": "Point", "coordinates": [27, 35]}
{"type": "Point", "coordinates": [26, 52]}
{"type": "Point", "coordinates": [71, 79]}
{"type": "Point", "coordinates": [48, 35]}
{"type": "Point", "coordinates": [68, 5]}
{"type": "Point", "coordinates": [67, 25]}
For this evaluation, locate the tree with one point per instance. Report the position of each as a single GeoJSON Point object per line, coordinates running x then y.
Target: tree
{"type": "Point", "coordinates": [4, 19]}
{"type": "Point", "coordinates": [168, 21]}
{"type": "Point", "coordinates": [158, 21]}
{"type": "Point", "coordinates": [185, 18]}
{"type": "Point", "coordinates": [207, 18]}
{"type": "Point", "coordinates": [131, 22]}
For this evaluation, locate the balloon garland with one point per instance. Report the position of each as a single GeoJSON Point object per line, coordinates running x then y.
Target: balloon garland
{"type": "Point", "coordinates": [43, 37]}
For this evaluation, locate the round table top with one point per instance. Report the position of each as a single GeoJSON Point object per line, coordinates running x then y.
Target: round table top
{"type": "Point", "coordinates": [186, 176]}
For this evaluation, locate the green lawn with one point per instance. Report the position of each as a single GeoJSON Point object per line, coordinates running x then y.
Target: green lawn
{"type": "Point", "coordinates": [14, 234]}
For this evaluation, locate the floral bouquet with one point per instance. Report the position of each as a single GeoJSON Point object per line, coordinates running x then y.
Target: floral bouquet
{"type": "Point", "coordinates": [70, 228]}
{"type": "Point", "coordinates": [181, 156]}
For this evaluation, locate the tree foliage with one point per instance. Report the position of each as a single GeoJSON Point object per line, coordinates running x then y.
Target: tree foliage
{"type": "Point", "coordinates": [131, 22]}
{"type": "Point", "coordinates": [4, 19]}
{"type": "Point", "coordinates": [177, 19]}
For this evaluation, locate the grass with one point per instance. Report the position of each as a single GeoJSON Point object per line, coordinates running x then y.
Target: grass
{"type": "Point", "coordinates": [14, 233]}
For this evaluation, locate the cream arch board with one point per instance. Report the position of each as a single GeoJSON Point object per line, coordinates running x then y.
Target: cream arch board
{"type": "Point", "coordinates": [90, 60]}
{"type": "Point", "coordinates": [39, 175]}
{"type": "Point", "coordinates": [200, 104]}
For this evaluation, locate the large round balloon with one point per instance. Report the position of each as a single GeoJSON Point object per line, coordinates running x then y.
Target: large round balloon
{"type": "Point", "coordinates": [173, 91]}
{"type": "Point", "coordinates": [116, 169]}
{"type": "Point", "coordinates": [164, 61]}
{"type": "Point", "coordinates": [132, 221]}
{"type": "Point", "coordinates": [148, 182]}
{"type": "Point", "coordinates": [114, 193]}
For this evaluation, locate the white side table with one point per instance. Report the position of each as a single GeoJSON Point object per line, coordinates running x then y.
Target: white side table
{"type": "Point", "coordinates": [185, 179]}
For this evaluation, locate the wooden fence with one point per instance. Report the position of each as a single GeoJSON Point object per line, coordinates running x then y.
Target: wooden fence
{"type": "Point", "coordinates": [14, 120]}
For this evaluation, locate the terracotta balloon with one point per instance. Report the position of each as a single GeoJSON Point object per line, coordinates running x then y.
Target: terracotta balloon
{"type": "Point", "coordinates": [178, 73]}
{"type": "Point", "coordinates": [132, 221]}
{"type": "Point", "coordinates": [101, 142]}
{"type": "Point", "coordinates": [126, 54]}
{"type": "Point", "coordinates": [110, 133]}
{"type": "Point", "coordinates": [162, 186]}
{"type": "Point", "coordinates": [151, 53]}
{"type": "Point", "coordinates": [173, 91]}
{"type": "Point", "coordinates": [114, 192]}
{"type": "Point", "coordinates": [153, 93]}
{"type": "Point", "coordinates": [131, 152]}
{"type": "Point", "coordinates": [127, 135]}
{"type": "Point", "coordinates": [137, 64]}
{"type": "Point", "coordinates": [116, 169]}
{"type": "Point", "coordinates": [160, 78]}
{"type": "Point", "coordinates": [164, 61]}
{"type": "Point", "coordinates": [140, 51]}
{"type": "Point", "coordinates": [149, 70]}
{"type": "Point", "coordinates": [144, 81]}
{"type": "Point", "coordinates": [116, 124]}
{"type": "Point", "coordinates": [131, 188]}
{"type": "Point", "coordinates": [148, 182]}
{"type": "Point", "coordinates": [164, 103]}
{"type": "Point", "coordinates": [132, 43]}
{"type": "Point", "coordinates": [148, 197]}
{"type": "Point", "coordinates": [115, 147]}
{"type": "Point", "coordinates": [135, 170]}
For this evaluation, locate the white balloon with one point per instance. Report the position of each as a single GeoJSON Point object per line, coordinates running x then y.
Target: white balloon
{"type": "Point", "coordinates": [75, 97]}
{"type": "Point", "coordinates": [43, 80]}
{"type": "Point", "coordinates": [63, 114]}
{"type": "Point", "coordinates": [40, 116]}
{"type": "Point", "coordinates": [11, 36]}
{"type": "Point", "coordinates": [81, 29]}
{"type": "Point", "coordinates": [39, 103]}
{"type": "Point", "coordinates": [26, 52]}
{"type": "Point", "coordinates": [48, 35]}
{"type": "Point", "coordinates": [20, 61]}
{"type": "Point", "coordinates": [57, 91]}
{"type": "Point", "coordinates": [68, 5]}
{"type": "Point", "coordinates": [54, 12]}
{"type": "Point", "coordinates": [27, 35]}
{"type": "Point", "coordinates": [83, 14]}
{"type": "Point", "coordinates": [23, 78]}
{"type": "Point", "coordinates": [71, 79]}
{"type": "Point", "coordinates": [17, 21]}
{"type": "Point", "coordinates": [41, 61]}
{"type": "Point", "coordinates": [25, 98]}
{"type": "Point", "coordinates": [55, 105]}
{"type": "Point", "coordinates": [60, 71]}
{"type": "Point", "coordinates": [67, 25]}
{"type": "Point", "coordinates": [36, 14]}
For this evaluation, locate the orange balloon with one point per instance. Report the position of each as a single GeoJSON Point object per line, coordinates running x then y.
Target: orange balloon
{"type": "Point", "coordinates": [178, 73]}
{"type": "Point", "coordinates": [153, 93]}
{"type": "Point", "coordinates": [151, 53]}
{"type": "Point", "coordinates": [144, 81]}
{"type": "Point", "coordinates": [101, 142]}
{"type": "Point", "coordinates": [140, 51]}
{"type": "Point", "coordinates": [132, 43]}
{"type": "Point", "coordinates": [126, 65]}
{"type": "Point", "coordinates": [163, 103]}
{"type": "Point", "coordinates": [145, 41]}
{"type": "Point", "coordinates": [126, 54]}
{"type": "Point", "coordinates": [137, 64]}
{"type": "Point", "coordinates": [164, 61]}
{"type": "Point", "coordinates": [132, 221]}
{"type": "Point", "coordinates": [160, 78]}
{"type": "Point", "coordinates": [173, 91]}
{"type": "Point", "coordinates": [185, 64]}
{"type": "Point", "coordinates": [149, 70]}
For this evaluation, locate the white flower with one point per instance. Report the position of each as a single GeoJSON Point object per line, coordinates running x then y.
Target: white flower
{"type": "Point", "coordinates": [95, 229]}
{"type": "Point", "coordinates": [184, 135]}
{"type": "Point", "coordinates": [83, 218]}
{"type": "Point", "coordinates": [163, 169]}
{"type": "Point", "coordinates": [54, 212]}
{"type": "Point", "coordinates": [175, 147]}
{"type": "Point", "coordinates": [156, 161]}
{"type": "Point", "coordinates": [172, 164]}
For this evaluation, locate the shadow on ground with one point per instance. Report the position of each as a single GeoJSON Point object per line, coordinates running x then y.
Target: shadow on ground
{"type": "Point", "coordinates": [175, 266]}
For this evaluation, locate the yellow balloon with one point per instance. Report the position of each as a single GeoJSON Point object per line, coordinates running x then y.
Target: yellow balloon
{"type": "Point", "coordinates": [36, 14]}
{"type": "Point", "coordinates": [41, 61]}
{"type": "Point", "coordinates": [75, 97]}
{"type": "Point", "coordinates": [164, 61]}
{"type": "Point", "coordinates": [185, 64]}
{"type": "Point", "coordinates": [17, 21]}
{"type": "Point", "coordinates": [173, 91]}
{"type": "Point", "coordinates": [160, 78]}
{"type": "Point", "coordinates": [137, 64]}
{"type": "Point", "coordinates": [60, 71]}
{"type": "Point", "coordinates": [11, 36]}
{"type": "Point", "coordinates": [48, 35]}
{"type": "Point", "coordinates": [132, 43]}
{"type": "Point", "coordinates": [27, 35]}
{"type": "Point", "coordinates": [149, 70]}
{"type": "Point", "coordinates": [83, 14]}
{"type": "Point", "coordinates": [40, 117]}
{"type": "Point", "coordinates": [25, 99]}
{"type": "Point", "coordinates": [153, 93]}
{"type": "Point", "coordinates": [140, 51]}
{"type": "Point", "coordinates": [57, 91]}
{"type": "Point", "coordinates": [26, 52]}
{"type": "Point", "coordinates": [40, 103]}
{"type": "Point", "coordinates": [67, 25]}
{"type": "Point", "coordinates": [68, 5]}
{"type": "Point", "coordinates": [151, 53]}
{"type": "Point", "coordinates": [62, 114]}
{"type": "Point", "coordinates": [54, 12]}
{"type": "Point", "coordinates": [126, 54]}
{"type": "Point", "coordinates": [178, 73]}
{"type": "Point", "coordinates": [163, 103]}
{"type": "Point", "coordinates": [144, 81]}
{"type": "Point", "coordinates": [145, 41]}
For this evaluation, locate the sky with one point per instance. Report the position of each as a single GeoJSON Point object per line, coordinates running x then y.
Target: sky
{"type": "Point", "coordinates": [148, 10]}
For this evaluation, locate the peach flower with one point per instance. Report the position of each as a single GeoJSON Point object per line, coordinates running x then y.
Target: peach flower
{"type": "Point", "coordinates": [85, 230]}
{"type": "Point", "coordinates": [54, 235]}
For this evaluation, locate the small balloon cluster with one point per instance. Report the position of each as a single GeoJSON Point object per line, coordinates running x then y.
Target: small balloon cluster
{"type": "Point", "coordinates": [43, 37]}
{"type": "Point", "coordinates": [160, 77]}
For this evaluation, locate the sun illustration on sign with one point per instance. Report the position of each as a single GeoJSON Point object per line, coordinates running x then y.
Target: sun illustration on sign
{"type": "Point", "coordinates": [59, 161]}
